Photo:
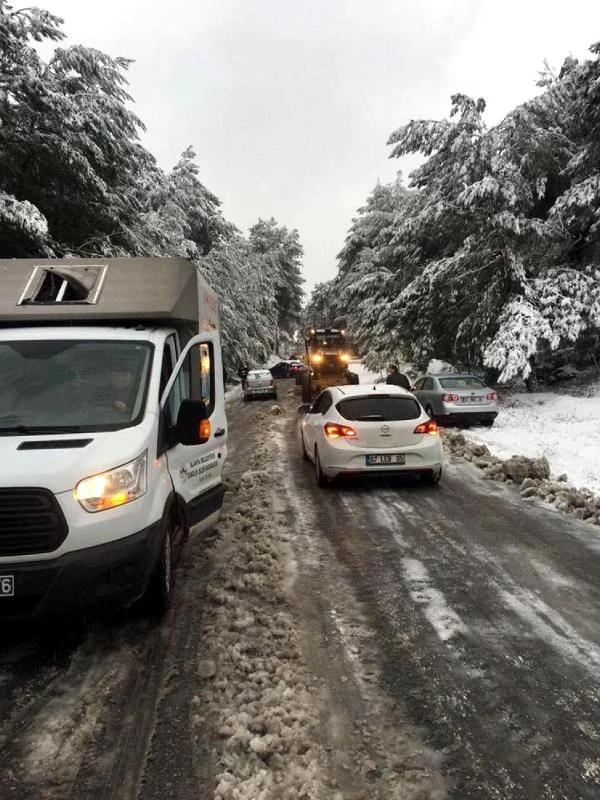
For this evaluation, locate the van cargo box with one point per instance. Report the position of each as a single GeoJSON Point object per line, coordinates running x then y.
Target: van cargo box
{"type": "Point", "coordinates": [95, 290]}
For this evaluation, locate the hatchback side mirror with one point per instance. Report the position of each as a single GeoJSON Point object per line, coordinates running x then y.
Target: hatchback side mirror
{"type": "Point", "coordinates": [304, 408]}
{"type": "Point", "coordinates": [193, 424]}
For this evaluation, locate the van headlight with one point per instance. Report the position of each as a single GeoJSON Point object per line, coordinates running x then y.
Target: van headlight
{"type": "Point", "coordinates": [113, 488]}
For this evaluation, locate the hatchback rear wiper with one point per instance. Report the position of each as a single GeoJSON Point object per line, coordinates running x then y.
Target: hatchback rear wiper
{"type": "Point", "coordinates": [43, 429]}
{"type": "Point", "coordinates": [367, 417]}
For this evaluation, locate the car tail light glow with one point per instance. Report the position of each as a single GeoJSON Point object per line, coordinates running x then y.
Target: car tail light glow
{"type": "Point", "coordinates": [491, 396]}
{"type": "Point", "coordinates": [335, 431]}
{"type": "Point", "coordinates": [450, 398]}
{"type": "Point", "coordinates": [430, 427]}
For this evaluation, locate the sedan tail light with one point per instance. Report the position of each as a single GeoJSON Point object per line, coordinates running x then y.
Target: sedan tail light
{"type": "Point", "coordinates": [335, 431]}
{"type": "Point", "coordinates": [450, 398]}
{"type": "Point", "coordinates": [430, 427]}
{"type": "Point", "coordinates": [491, 396]}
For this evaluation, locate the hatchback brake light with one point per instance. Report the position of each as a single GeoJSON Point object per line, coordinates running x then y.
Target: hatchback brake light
{"type": "Point", "coordinates": [335, 431]}
{"type": "Point", "coordinates": [450, 398]}
{"type": "Point", "coordinates": [430, 427]}
{"type": "Point", "coordinates": [491, 396]}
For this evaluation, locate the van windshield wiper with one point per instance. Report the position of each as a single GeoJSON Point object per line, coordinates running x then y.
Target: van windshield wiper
{"type": "Point", "coordinates": [47, 429]}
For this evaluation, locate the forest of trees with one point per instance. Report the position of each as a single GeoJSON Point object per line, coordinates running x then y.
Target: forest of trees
{"type": "Point", "coordinates": [490, 257]}
{"type": "Point", "coordinates": [76, 181]}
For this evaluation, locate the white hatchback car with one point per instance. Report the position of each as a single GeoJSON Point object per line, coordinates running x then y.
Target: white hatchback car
{"type": "Point", "coordinates": [370, 429]}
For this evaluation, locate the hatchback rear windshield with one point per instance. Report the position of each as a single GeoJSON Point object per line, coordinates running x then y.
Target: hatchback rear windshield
{"type": "Point", "coordinates": [378, 408]}
{"type": "Point", "coordinates": [461, 382]}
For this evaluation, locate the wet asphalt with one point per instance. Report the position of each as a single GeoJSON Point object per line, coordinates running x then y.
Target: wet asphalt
{"type": "Point", "coordinates": [487, 615]}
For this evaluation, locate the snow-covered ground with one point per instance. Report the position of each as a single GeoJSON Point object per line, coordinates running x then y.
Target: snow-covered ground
{"type": "Point", "coordinates": [562, 427]}
{"type": "Point", "coordinates": [565, 428]}
{"type": "Point", "coordinates": [365, 375]}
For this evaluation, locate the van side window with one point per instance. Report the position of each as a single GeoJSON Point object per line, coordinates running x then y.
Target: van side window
{"type": "Point", "coordinates": [167, 366]}
{"type": "Point", "coordinates": [195, 380]}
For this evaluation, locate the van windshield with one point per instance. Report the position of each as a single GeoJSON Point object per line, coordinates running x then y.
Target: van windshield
{"type": "Point", "coordinates": [66, 385]}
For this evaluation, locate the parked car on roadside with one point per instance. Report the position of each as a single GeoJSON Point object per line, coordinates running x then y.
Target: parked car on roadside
{"type": "Point", "coordinates": [457, 399]}
{"type": "Point", "coordinates": [260, 383]}
{"type": "Point", "coordinates": [287, 369]}
{"type": "Point", "coordinates": [370, 429]}
{"type": "Point", "coordinates": [281, 369]}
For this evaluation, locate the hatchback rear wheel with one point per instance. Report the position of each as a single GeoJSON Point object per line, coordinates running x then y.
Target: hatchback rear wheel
{"type": "Point", "coordinates": [319, 474]}
{"type": "Point", "coordinates": [432, 477]}
{"type": "Point", "coordinates": [303, 448]}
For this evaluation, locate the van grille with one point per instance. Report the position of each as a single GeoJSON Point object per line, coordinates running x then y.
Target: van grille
{"type": "Point", "coordinates": [31, 521]}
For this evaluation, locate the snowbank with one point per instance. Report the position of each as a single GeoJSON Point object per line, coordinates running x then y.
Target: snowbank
{"type": "Point", "coordinates": [258, 697]}
{"type": "Point", "coordinates": [564, 428]}
{"type": "Point", "coordinates": [531, 475]}
{"type": "Point", "coordinates": [365, 375]}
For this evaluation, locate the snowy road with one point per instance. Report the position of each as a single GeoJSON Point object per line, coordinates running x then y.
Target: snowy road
{"type": "Point", "coordinates": [385, 641]}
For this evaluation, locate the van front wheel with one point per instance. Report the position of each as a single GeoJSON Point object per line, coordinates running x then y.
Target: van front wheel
{"type": "Point", "coordinates": [160, 586]}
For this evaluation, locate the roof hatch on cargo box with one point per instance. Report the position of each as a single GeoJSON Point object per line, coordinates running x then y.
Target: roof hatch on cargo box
{"type": "Point", "coordinates": [50, 285]}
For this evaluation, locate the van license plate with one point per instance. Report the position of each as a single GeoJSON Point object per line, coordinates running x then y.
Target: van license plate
{"type": "Point", "coordinates": [7, 585]}
{"type": "Point", "coordinates": [393, 458]}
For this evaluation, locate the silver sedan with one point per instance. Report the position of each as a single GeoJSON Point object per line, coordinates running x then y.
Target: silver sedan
{"type": "Point", "coordinates": [457, 399]}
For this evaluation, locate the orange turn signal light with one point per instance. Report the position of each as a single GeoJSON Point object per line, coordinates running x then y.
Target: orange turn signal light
{"type": "Point", "coordinates": [205, 430]}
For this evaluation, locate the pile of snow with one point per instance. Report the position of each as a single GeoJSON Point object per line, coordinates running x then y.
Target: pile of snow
{"type": "Point", "coordinates": [561, 427]}
{"type": "Point", "coordinates": [436, 366]}
{"type": "Point", "coordinates": [257, 696]}
{"type": "Point", "coordinates": [365, 375]}
{"type": "Point", "coordinates": [532, 475]}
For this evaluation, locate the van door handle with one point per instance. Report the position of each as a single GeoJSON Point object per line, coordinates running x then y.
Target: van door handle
{"type": "Point", "coordinates": [219, 432]}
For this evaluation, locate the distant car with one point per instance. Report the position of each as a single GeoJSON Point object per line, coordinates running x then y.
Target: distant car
{"type": "Point", "coordinates": [457, 399]}
{"type": "Point", "coordinates": [281, 369]}
{"type": "Point", "coordinates": [370, 429]}
{"type": "Point", "coordinates": [296, 367]}
{"type": "Point", "coordinates": [259, 383]}
{"type": "Point", "coordinates": [287, 369]}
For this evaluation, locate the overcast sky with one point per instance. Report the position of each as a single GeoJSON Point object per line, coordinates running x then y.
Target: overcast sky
{"type": "Point", "coordinates": [289, 103]}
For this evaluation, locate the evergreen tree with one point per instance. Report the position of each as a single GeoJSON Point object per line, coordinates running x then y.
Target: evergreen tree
{"type": "Point", "coordinates": [282, 253]}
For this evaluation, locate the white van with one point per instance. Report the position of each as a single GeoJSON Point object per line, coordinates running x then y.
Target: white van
{"type": "Point", "coordinates": [113, 431]}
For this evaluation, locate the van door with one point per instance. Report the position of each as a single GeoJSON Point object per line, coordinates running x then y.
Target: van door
{"type": "Point", "coordinates": [196, 470]}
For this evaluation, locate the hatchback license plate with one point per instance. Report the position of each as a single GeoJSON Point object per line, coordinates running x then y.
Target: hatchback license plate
{"type": "Point", "coordinates": [7, 585]}
{"type": "Point", "coordinates": [394, 458]}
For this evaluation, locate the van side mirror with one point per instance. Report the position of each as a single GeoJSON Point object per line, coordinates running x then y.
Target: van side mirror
{"type": "Point", "coordinates": [193, 424]}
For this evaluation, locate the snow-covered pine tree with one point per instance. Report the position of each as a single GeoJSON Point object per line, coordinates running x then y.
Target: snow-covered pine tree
{"type": "Point", "coordinates": [247, 295]}
{"type": "Point", "coordinates": [282, 254]}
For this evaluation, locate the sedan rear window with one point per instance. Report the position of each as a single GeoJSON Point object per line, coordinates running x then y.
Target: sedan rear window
{"type": "Point", "coordinates": [461, 382]}
{"type": "Point", "coordinates": [378, 408]}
